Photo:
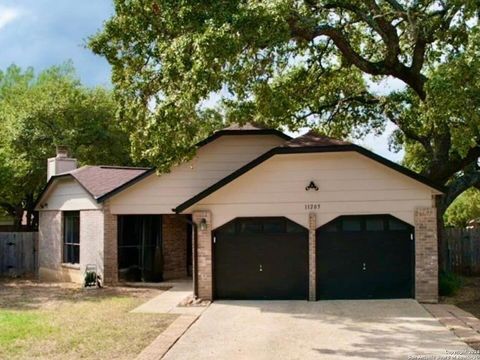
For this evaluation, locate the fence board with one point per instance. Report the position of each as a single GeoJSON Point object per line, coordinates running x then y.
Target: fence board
{"type": "Point", "coordinates": [462, 251]}
{"type": "Point", "coordinates": [18, 253]}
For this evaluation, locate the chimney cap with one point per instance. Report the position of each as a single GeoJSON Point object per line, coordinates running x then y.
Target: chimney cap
{"type": "Point", "coordinates": [62, 151]}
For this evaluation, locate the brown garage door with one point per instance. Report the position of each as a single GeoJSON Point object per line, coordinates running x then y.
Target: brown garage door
{"type": "Point", "coordinates": [261, 258]}
{"type": "Point", "coordinates": [365, 257]}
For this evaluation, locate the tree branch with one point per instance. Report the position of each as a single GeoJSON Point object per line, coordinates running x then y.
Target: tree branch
{"type": "Point", "coordinates": [415, 80]}
{"type": "Point", "coordinates": [459, 185]}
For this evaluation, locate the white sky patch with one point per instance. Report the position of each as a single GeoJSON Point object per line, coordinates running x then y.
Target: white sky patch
{"type": "Point", "coordinates": [7, 15]}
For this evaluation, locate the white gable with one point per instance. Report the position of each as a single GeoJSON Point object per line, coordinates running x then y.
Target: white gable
{"type": "Point", "coordinates": [67, 194]}
{"type": "Point", "coordinates": [348, 184]}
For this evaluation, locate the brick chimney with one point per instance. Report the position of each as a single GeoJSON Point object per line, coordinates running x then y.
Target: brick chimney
{"type": "Point", "coordinates": [60, 163]}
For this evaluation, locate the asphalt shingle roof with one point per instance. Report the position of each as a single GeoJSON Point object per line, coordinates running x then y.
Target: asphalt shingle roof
{"type": "Point", "coordinates": [100, 180]}
{"type": "Point", "coordinates": [313, 139]}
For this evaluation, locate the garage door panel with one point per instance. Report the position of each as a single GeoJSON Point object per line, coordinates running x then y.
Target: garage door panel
{"type": "Point", "coordinates": [372, 258]}
{"type": "Point", "coordinates": [260, 259]}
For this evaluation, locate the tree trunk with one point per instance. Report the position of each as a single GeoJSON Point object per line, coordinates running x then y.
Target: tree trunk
{"type": "Point", "coordinates": [18, 217]}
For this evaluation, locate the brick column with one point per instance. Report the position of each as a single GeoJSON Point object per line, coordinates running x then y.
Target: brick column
{"type": "Point", "coordinates": [110, 246]}
{"type": "Point", "coordinates": [426, 255]}
{"type": "Point", "coordinates": [174, 229]}
{"type": "Point", "coordinates": [312, 254]}
{"type": "Point", "coordinates": [204, 255]}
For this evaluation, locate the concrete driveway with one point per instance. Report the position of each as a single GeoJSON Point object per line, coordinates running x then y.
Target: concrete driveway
{"type": "Point", "coordinates": [369, 329]}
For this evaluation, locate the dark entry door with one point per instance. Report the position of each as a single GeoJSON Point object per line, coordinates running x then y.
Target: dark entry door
{"type": "Point", "coordinates": [140, 256]}
{"type": "Point", "coordinates": [365, 257]}
{"type": "Point", "coordinates": [261, 258]}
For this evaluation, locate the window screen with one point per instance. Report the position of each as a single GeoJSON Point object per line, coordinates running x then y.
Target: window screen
{"type": "Point", "coordinates": [71, 237]}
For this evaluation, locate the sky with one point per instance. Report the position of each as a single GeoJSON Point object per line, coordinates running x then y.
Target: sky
{"type": "Point", "coordinates": [42, 33]}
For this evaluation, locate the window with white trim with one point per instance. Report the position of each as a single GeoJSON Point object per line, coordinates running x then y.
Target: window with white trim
{"type": "Point", "coordinates": [71, 237]}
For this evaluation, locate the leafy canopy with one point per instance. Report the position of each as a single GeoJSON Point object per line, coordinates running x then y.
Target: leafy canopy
{"type": "Point", "coordinates": [294, 63]}
{"type": "Point", "coordinates": [39, 112]}
{"type": "Point", "coordinates": [466, 207]}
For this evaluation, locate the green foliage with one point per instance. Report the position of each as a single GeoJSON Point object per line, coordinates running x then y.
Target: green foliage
{"type": "Point", "coordinates": [39, 112]}
{"type": "Point", "coordinates": [291, 64]}
{"type": "Point", "coordinates": [449, 284]}
{"type": "Point", "coordinates": [465, 208]}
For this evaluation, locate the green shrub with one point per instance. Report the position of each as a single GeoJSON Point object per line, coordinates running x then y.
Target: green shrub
{"type": "Point", "coordinates": [449, 283]}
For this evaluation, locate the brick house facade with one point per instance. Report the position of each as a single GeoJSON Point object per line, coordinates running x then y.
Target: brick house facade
{"type": "Point", "coordinates": [251, 183]}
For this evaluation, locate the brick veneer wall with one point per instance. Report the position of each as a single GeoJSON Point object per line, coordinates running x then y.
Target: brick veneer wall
{"type": "Point", "coordinates": [50, 239]}
{"type": "Point", "coordinates": [50, 244]}
{"type": "Point", "coordinates": [204, 255]}
{"type": "Point", "coordinates": [110, 245]}
{"type": "Point", "coordinates": [91, 239]}
{"type": "Point", "coordinates": [174, 230]}
{"type": "Point", "coordinates": [426, 255]}
{"type": "Point", "coordinates": [312, 264]}
{"type": "Point", "coordinates": [312, 257]}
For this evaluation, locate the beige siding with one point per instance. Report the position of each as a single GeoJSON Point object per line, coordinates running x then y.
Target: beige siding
{"type": "Point", "coordinates": [214, 161]}
{"type": "Point", "coordinates": [349, 184]}
{"type": "Point", "coordinates": [68, 194]}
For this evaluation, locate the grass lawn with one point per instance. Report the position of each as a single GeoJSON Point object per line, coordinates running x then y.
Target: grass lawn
{"type": "Point", "coordinates": [64, 321]}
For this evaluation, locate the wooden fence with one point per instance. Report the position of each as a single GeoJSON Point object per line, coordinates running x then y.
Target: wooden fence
{"type": "Point", "coordinates": [462, 251]}
{"type": "Point", "coordinates": [18, 253]}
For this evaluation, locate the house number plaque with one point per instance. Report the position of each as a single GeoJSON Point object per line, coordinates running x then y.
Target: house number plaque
{"type": "Point", "coordinates": [312, 206]}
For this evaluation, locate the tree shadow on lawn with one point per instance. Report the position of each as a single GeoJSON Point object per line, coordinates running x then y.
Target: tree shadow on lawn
{"type": "Point", "coordinates": [31, 295]}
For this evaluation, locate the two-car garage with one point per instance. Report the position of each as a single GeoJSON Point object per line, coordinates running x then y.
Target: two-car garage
{"type": "Point", "coordinates": [357, 257]}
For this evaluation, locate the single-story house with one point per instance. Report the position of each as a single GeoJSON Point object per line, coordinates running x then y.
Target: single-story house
{"type": "Point", "coordinates": [254, 215]}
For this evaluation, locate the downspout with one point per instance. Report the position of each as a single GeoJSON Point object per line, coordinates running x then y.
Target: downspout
{"type": "Point", "coordinates": [194, 253]}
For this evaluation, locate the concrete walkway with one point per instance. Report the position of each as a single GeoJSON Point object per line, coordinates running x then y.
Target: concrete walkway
{"type": "Point", "coordinates": [369, 329]}
{"type": "Point", "coordinates": [462, 323]}
{"type": "Point", "coordinates": [169, 300]}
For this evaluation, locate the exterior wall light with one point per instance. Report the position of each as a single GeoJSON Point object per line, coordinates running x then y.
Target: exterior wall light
{"type": "Point", "coordinates": [203, 224]}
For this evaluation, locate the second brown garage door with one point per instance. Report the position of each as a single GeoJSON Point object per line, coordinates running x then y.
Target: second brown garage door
{"type": "Point", "coordinates": [365, 257]}
{"type": "Point", "coordinates": [260, 258]}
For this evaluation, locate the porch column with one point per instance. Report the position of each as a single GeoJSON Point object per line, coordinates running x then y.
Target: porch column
{"type": "Point", "coordinates": [312, 263]}
{"type": "Point", "coordinates": [426, 255]}
{"type": "Point", "coordinates": [203, 267]}
{"type": "Point", "coordinates": [110, 245]}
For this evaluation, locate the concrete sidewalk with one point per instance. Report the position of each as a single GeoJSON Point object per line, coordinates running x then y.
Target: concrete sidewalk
{"type": "Point", "coordinates": [169, 300]}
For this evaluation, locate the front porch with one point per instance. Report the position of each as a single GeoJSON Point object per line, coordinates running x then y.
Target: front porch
{"type": "Point", "coordinates": [152, 248]}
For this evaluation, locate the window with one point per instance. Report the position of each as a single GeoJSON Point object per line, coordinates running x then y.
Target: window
{"type": "Point", "coordinates": [352, 224]}
{"type": "Point", "coordinates": [396, 225]}
{"type": "Point", "coordinates": [274, 226]}
{"type": "Point", "coordinates": [375, 224]}
{"type": "Point", "coordinates": [71, 237]}
{"type": "Point", "coordinates": [250, 227]}
{"type": "Point", "coordinates": [259, 225]}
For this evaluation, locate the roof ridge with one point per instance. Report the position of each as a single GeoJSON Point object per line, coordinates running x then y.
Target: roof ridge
{"type": "Point", "coordinates": [119, 167]}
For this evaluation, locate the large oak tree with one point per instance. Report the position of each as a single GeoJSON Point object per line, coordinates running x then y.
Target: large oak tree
{"type": "Point", "coordinates": [288, 63]}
